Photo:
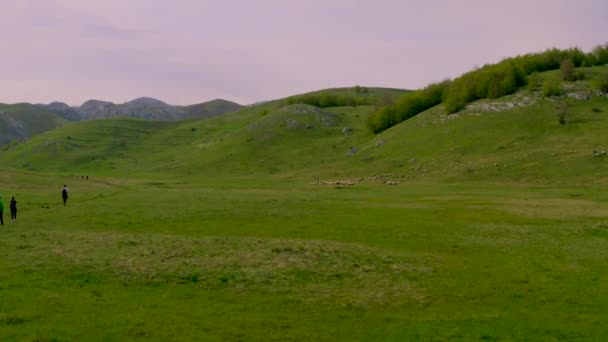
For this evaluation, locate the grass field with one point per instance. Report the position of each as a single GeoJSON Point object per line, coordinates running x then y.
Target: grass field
{"type": "Point", "coordinates": [132, 259]}
{"type": "Point", "coordinates": [219, 230]}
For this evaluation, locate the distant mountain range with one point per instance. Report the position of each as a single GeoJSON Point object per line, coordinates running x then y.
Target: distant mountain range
{"type": "Point", "coordinates": [20, 121]}
{"type": "Point", "coordinates": [143, 107]}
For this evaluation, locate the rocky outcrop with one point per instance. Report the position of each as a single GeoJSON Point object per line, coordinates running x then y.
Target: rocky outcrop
{"type": "Point", "coordinates": [153, 109]}
{"type": "Point", "coordinates": [95, 109]}
{"type": "Point", "coordinates": [20, 121]}
{"type": "Point", "coordinates": [63, 110]}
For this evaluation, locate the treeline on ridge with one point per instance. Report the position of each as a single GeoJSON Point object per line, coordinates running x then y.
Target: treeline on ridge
{"type": "Point", "coordinates": [324, 99]}
{"type": "Point", "coordinates": [407, 106]}
{"type": "Point", "coordinates": [489, 81]}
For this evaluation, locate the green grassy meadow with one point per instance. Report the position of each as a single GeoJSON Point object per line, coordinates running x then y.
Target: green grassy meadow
{"type": "Point", "coordinates": [218, 229]}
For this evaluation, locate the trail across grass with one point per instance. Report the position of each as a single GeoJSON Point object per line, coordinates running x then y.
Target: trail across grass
{"type": "Point", "coordinates": [157, 260]}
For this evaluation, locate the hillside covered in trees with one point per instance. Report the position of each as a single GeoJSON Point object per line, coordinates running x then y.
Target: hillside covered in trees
{"type": "Point", "coordinates": [493, 81]}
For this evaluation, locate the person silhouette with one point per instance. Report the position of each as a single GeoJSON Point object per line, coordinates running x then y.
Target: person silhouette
{"type": "Point", "coordinates": [1, 212]}
{"type": "Point", "coordinates": [64, 194]}
{"type": "Point", "coordinates": [13, 208]}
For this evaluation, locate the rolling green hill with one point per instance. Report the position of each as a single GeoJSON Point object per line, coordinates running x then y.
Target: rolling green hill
{"type": "Point", "coordinates": [210, 109]}
{"type": "Point", "coordinates": [260, 139]}
{"type": "Point", "coordinates": [510, 138]}
{"type": "Point", "coordinates": [18, 122]}
{"type": "Point", "coordinates": [151, 109]}
{"type": "Point", "coordinates": [244, 226]}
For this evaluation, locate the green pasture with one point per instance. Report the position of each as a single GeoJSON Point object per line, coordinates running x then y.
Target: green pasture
{"type": "Point", "coordinates": [242, 228]}
{"type": "Point", "coordinates": [150, 259]}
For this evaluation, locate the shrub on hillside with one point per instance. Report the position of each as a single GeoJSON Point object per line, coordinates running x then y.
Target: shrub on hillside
{"type": "Point", "coordinates": [601, 82]}
{"type": "Point", "coordinates": [491, 81]}
{"type": "Point", "coordinates": [552, 86]}
{"type": "Point", "coordinates": [600, 54]}
{"type": "Point", "coordinates": [567, 70]}
{"type": "Point", "coordinates": [361, 90]}
{"type": "Point", "coordinates": [535, 82]}
{"type": "Point", "coordinates": [458, 95]}
{"type": "Point", "coordinates": [328, 99]}
{"type": "Point", "coordinates": [563, 112]}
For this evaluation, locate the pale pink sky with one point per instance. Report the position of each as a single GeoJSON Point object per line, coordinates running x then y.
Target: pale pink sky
{"type": "Point", "coordinates": [190, 51]}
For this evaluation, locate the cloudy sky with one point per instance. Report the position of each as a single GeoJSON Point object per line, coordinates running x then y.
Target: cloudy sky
{"type": "Point", "coordinates": [191, 51]}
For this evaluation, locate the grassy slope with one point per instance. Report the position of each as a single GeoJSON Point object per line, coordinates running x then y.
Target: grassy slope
{"type": "Point", "coordinates": [215, 232]}
{"type": "Point", "coordinates": [525, 143]}
{"type": "Point", "coordinates": [211, 108]}
{"type": "Point", "coordinates": [388, 94]}
{"type": "Point", "coordinates": [97, 144]}
{"type": "Point", "coordinates": [22, 121]}
{"type": "Point", "coordinates": [233, 141]}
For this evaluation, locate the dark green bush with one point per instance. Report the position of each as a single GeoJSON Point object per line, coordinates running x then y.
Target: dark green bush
{"type": "Point", "coordinates": [535, 82]}
{"type": "Point", "coordinates": [552, 86]}
{"type": "Point", "coordinates": [600, 54]}
{"type": "Point", "coordinates": [361, 90]}
{"type": "Point", "coordinates": [601, 82]}
{"type": "Point", "coordinates": [567, 70]}
{"type": "Point", "coordinates": [329, 99]}
{"type": "Point", "coordinates": [491, 81]}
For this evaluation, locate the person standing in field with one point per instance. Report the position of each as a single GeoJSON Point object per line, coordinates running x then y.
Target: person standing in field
{"type": "Point", "coordinates": [13, 208]}
{"type": "Point", "coordinates": [1, 212]}
{"type": "Point", "coordinates": [64, 194]}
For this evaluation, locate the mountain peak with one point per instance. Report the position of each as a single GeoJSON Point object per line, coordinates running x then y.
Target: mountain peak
{"type": "Point", "coordinates": [144, 100]}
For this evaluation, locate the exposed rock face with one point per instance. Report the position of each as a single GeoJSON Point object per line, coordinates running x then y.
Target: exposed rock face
{"type": "Point", "coordinates": [63, 110]}
{"type": "Point", "coordinates": [303, 112]}
{"type": "Point", "coordinates": [149, 108]}
{"type": "Point", "coordinates": [95, 109]}
{"type": "Point", "coordinates": [20, 121]}
{"type": "Point", "coordinates": [153, 109]}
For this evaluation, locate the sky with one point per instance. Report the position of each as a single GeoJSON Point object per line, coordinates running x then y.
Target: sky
{"type": "Point", "coordinates": [191, 51]}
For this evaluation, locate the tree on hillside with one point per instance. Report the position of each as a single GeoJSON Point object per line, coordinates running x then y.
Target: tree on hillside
{"type": "Point", "coordinates": [600, 54]}
{"type": "Point", "coordinates": [534, 81]}
{"type": "Point", "coordinates": [361, 90]}
{"type": "Point", "coordinates": [408, 106]}
{"type": "Point", "coordinates": [496, 80]}
{"type": "Point", "coordinates": [552, 86]}
{"type": "Point", "coordinates": [567, 70]}
{"type": "Point", "coordinates": [601, 82]}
